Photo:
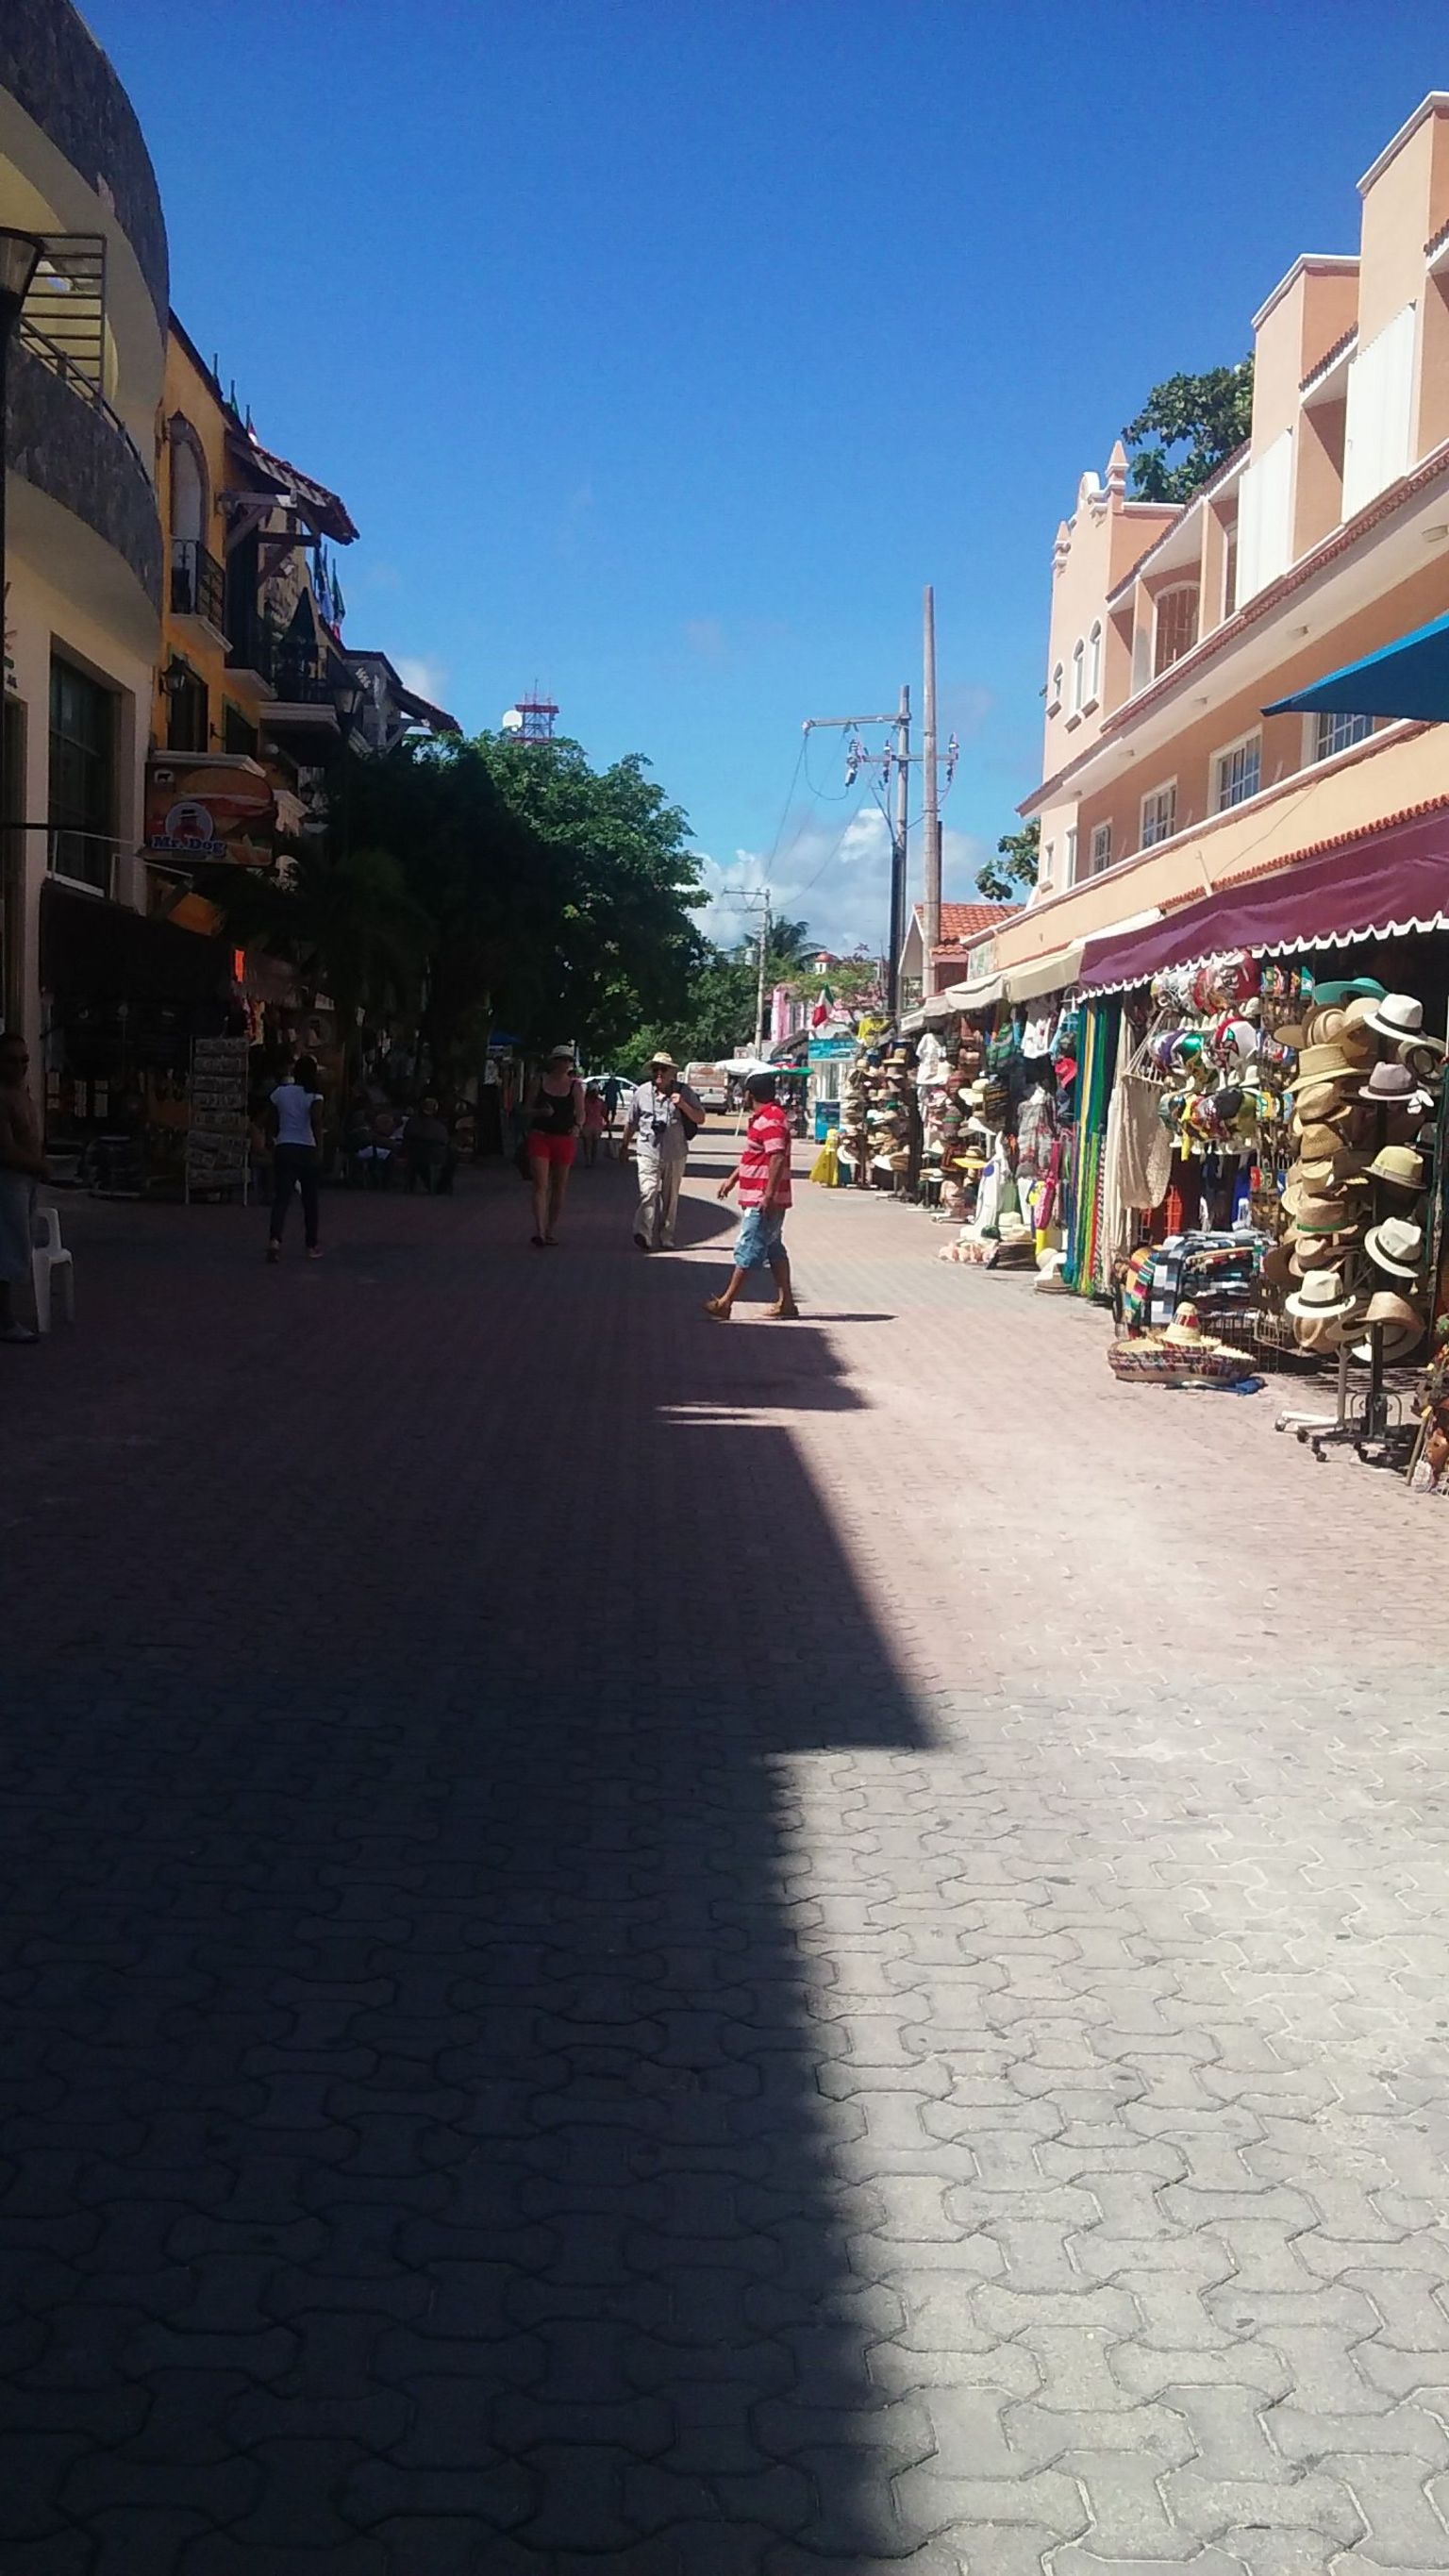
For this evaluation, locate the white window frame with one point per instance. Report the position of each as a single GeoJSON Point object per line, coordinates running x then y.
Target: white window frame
{"type": "Point", "coordinates": [1099, 849]}
{"type": "Point", "coordinates": [1153, 796]}
{"type": "Point", "coordinates": [1079, 674]}
{"type": "Point", "coordinates": [1047, 868]}
{"type": "Point", "coordinates": [1071, 876]}
{"type": "Point", "coordinates": [1054, 691]}
{"type": "Point", "coordinates": [1094, 668]}
{"type": "Point", "coordinates": [1221, 759]}
{"type": "Point", "coordinates": [1315, 748]}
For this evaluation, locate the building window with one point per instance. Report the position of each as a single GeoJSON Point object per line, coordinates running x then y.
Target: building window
{"type": "Point", "coordinates": [1339, 733]}
{"type": "Point", "coordinates": [1159, 816]}
{"type": "Point", "coordinates": [1101, 848]}
{"type": "Point", "coordinates": [1054, 691]}
{"type": "Point", "coordinates": [1094, 665]}
{"type": "Point", "coordinates": [186, 708]}
{"type": "Point", "coordinates": [1237, 773]}
{"type": "Point", "coordinates": [1176, 626]}
{"type": "Point", "coordinates": [82, 776]}
{"type": "Point", "coordinates": [1230, 566]}
{"type": "Point", "coordinates": [236, 733]}
{"type": "Point", "coordinates": [1072, 854]}
{"type": "Point", "coordinates": [1079, 675]}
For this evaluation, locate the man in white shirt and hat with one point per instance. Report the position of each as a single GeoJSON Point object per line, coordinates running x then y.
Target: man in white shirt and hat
{"type": "Point", "coordinates": [661, 1115]}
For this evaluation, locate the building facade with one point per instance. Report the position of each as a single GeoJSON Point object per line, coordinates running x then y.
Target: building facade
{"type": "Point", "coordinates": [85, 553]}
{"type": "Point", "coordinates": [1324, 538]}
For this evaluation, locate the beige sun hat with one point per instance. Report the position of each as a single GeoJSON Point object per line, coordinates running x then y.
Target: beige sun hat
{"type": "Point", "coordinates": [1325, 1025]}
{"type": "Point", "coordinates": [1320, 1063]}
{"type": "Point", "coordinates": [1401, 1322]}
{"type": "Point", "coordinates": [1323, 1297]}
{"type": "Point", "coordinates": [1322, 1131]}
{"type": "Point", "coordinates": [1400, 1166]}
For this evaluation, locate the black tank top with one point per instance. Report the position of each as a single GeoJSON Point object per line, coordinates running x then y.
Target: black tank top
{"type": "Point", "coordinates": [553, 1112]}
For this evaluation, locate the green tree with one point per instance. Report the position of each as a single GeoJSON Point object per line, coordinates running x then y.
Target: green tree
{"type": "Point", "coordinates": [346, 920]}
{"type": "Point", "coordinates": [1019, 854]}
{"type": "Point", "coordinates": [625, 945]}
{"type": "Point", "coordinates": [1210, 415]}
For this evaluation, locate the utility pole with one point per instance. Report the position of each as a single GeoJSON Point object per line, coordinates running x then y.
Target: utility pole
{"type": "Point", "coordinates": [899, 846]}
{"type": "Point", "coordinates": [930, 801]}
{"type": "Point", "coordinates": [760, 982]}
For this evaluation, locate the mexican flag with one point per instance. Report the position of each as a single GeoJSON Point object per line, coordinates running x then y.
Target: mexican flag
{"type": "Point", "coordinates": [823, 1008]}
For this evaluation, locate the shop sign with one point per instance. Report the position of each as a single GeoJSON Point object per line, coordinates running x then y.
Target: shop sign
{"type": "Point", "coordinates": [210, 809]}
{"type": "Point", "coordinates": [980, 961]}
{"type": "Point", "coordinates": [218, 1134]}
{"type": "Point", "coordinates": [831, 1050]}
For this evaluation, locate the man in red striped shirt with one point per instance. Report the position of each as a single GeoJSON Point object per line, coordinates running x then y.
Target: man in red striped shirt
{"type": "Point", "coordinates": [762, 1176]}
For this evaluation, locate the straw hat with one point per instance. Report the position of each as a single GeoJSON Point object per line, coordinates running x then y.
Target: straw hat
{"type": "Point", "coordinates": [1396, 1246]}
{"type": "Point", "coordinates": [1320, 1064]}
{"type": "Point", "coordinates": [1318, 1252]}
{"type": "Point", "coordinates": [1319, 1215]}
{"type": "Point", "coordinates": [1401, 1324]}
{"type": "Point", "coordinates": [1275, 1268]}
{"type": "Point", "coordinates": [1328, 1172]}
{"type": "Point", "coordinates": [1360, 1010]}
{"type": "Point", "coordinates": [1401, 1017]}
{"type": "Point", "coordinates": [1348, 989]}
{"type": "Point", "coordinates": [1400, 1166]}
{"type": "Point", "coordinates": [1293, 1033]}
{"type": "Point", "coordinates": [1325, 1025]}
{"type": "Point", "coordinates": [1317, 1137]}
{"type": "Point", "coordinates": [1323, 1297]}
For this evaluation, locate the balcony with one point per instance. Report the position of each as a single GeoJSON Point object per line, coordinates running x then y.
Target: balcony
{"type": "Point", "coordinates": [198, 584]}
{"type": "Point", "coordinates": [254, 647]}
{"type": "Point", "coordinates": [304, 716]}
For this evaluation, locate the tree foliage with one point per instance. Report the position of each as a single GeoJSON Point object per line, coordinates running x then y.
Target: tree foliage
{"type": "Point", "coordinates": [1208, 416]}
{"type": "Point", "coordinates": [1019, 855]}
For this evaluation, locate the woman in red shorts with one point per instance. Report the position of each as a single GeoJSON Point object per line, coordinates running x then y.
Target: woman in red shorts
{"type": "Point", "coordinates": [555, 1114]}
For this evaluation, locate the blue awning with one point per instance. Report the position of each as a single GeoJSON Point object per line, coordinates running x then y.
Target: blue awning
{"type": "Point", "coordinates": [1409, 678]}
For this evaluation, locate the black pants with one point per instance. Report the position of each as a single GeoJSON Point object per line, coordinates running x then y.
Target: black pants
{"type": "Point", "coordinates": [295, 1167]}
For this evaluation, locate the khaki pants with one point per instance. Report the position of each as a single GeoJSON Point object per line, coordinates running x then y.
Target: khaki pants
{"type": "Point", "coordinates": [659, 1182]}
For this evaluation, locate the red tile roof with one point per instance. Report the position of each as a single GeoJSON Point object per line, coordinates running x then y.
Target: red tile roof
{"type": "Point", "coordinates": [963, 922]}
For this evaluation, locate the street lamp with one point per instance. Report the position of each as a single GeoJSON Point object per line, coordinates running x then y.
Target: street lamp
{"type": "Point", "coordinates": [20, 255]}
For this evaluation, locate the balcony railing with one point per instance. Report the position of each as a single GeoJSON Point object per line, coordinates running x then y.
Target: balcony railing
{"type": "Point", "coordinates": [198, 584]}
{"type": "Point", "coordinates": [253, 644]}
{"type": "Point", "coordinates": [83, 858]}
{"type": "Point", "coordinates": [301, 684]}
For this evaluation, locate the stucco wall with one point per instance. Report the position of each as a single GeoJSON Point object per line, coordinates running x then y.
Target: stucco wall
{"type": "Point", "coordinates": [69, 448]}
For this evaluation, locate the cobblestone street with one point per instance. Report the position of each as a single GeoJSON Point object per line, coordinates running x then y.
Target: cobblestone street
{"type": "Point", "coordinates": [707, 1953]}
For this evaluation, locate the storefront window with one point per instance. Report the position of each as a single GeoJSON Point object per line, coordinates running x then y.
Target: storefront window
{"type": "Point", "coordinates": [82, 776]}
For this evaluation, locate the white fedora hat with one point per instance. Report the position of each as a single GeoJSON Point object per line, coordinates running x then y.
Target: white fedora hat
{"type": "Point", "coordinates": [1396, 1246]}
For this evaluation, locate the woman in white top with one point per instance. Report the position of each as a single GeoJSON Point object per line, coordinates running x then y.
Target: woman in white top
{"type": "Point", "coordinates": [296, 1123]}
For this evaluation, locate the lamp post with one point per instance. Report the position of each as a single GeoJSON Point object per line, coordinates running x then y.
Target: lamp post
{"type": "Point", "coordinates": [20, 255]}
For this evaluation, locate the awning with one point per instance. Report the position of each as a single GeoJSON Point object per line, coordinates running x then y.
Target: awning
{"type": "Point", "coordinates": [1051, 974]}
{"type": "Point", "coordinates": [95, 951]}
{"type": "Point", "coordinates": [1382, 886]}
{"type": "Point", "coordinates": [1409, 678]}
{"type": "Point", "coordinates": [975, 997]}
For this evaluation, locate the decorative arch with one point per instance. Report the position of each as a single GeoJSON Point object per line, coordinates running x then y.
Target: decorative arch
{"type": "Point", "coordinates": [190, 483]}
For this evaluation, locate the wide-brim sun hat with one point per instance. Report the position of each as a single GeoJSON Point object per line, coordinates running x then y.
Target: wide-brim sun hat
{"type": "Point", "coordinates": [1393, 1086]}
{"type": "Point", "coordinates": [1318, 1063]}
{"type": "Point", "coordinates": [1317, 1137]}
{"type": "Point", "coordinates": [1349, 988]}
{"type": "Point", "coordinates": [1318, 1252]}
{"type": "Point", "coordinates": [1325, 1025]}
{"type": "Point", "coordinates": [1331, 1103]}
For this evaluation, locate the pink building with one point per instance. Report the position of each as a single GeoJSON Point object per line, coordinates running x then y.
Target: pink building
{"type": "Point", "coordinates": [964, 928]}
{"type": "Point", "coordinates": [1324, 538]}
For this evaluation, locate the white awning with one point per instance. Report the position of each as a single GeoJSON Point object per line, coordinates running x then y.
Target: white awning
{"type": "Point", "coordinates": [1052, 974]}
{"type": "Point", "coordinates": [975, 997]}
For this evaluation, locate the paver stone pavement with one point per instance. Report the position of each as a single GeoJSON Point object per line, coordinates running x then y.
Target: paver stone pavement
{"type": "Point", "coordinates": [705, 1952]}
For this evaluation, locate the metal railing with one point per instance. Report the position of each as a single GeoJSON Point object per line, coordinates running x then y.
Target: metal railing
{"type": "Point", "coordinates": [253, 644]}
{"type": "Point", "coordinates": [66, 302]}
{"type": "Point", "coordinates": [198, 583]}
{"type": "Point", "coordinates": [83, 858]}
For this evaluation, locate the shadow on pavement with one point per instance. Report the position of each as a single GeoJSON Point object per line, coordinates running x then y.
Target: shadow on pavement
{"type": "Point", "coordinates": [429, 2118]}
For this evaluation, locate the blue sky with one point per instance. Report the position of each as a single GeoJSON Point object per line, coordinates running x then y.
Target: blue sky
{"type": "Point", "coordinates": [662, 353]}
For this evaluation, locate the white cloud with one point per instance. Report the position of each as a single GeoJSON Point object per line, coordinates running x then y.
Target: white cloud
{"type": "Point", "coordinates": [834, 876]}
{"type": "Point", "coordinates": [425, 679]}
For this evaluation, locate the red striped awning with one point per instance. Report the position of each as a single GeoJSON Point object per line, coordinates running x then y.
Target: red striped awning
{"type": "Point", "coordinates": [1380, 887]}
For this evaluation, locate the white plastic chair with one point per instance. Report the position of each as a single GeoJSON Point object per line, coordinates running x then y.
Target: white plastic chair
{"type": "Point", "coordinates": [50, 1259]}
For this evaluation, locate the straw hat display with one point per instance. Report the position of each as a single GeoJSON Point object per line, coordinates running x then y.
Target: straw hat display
{"type": "Point", "coordinates": [1319, 1063]}
{"type": "Point", "coordinates": [1400, 1017]}
{"type": "Point", "coordinates": [1393, 1086]}
{"type": "Point", "coordinates": [1399, 1166]}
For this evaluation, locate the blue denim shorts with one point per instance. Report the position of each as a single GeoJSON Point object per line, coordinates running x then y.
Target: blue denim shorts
{"type": "Point", "coordinates": [759, 1237]}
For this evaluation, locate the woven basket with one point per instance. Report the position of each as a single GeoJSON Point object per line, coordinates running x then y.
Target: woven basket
{"type": "Point", "coordinates": [1153, 1364]}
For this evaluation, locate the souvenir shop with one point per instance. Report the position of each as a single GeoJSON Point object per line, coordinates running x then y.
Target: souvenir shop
{"type": "Point", "coordinates": [1261, 1167]}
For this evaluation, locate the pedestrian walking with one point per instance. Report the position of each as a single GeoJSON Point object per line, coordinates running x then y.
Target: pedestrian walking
{"type": "Point", "coordinates": [22, 1164]}
{"type": "Point", "coordinates": [295, 1119]}
{"type": "Point", "coordinates": [554, 1112]}
{"type": "Point", "coordinates": [612, 1087]}
{"type": "Point", "coordinates": [595, 1121]}
{"type": "Point", "coordinates": [662, 1115]}
{"type": "Point", "coordinates": [762, 1177]}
